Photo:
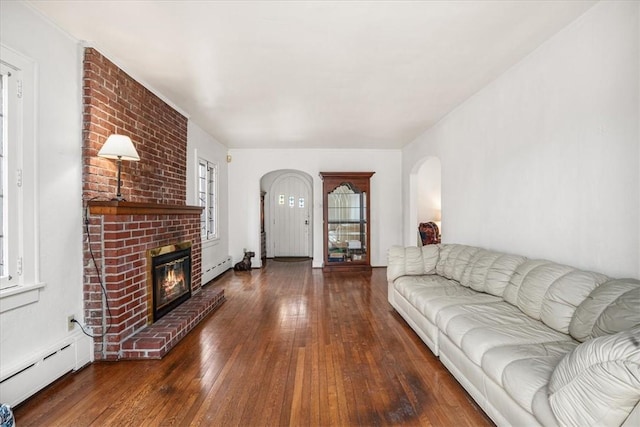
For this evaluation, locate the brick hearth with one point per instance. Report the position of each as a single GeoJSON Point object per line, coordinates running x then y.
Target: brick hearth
{"type": "Point", "coordinates": [157, 339]}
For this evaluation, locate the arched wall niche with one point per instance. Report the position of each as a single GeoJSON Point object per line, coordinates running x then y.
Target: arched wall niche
{"type": "Point", "coordinates": [425, 197]}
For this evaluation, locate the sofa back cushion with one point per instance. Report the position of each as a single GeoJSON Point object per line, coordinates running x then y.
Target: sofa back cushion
{"type": "Point", "coordinates": [411, 261]}
{"type": "Point", "coordinates": [550, 292]}
{"type": "Point", "coordinates": [565, 295]}
{"type": "Point", "coordinates": [512, 291]}
{"type": "Point", "coordinates": [490, 272]}
{"type": "Point", "coordinates": [454, 260]}
{"type": "Point", "coordinates": [612, 307]}
{"type": "Point", "coordinates": [430, 256]}
{"type": "Point", "coordinates": [445, 250]}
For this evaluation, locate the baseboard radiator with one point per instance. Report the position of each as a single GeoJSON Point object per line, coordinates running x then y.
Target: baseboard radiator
{"type": "Point", "coordinates": [212, 271]}
{"type": "Point", "coordinates": [21, 382]}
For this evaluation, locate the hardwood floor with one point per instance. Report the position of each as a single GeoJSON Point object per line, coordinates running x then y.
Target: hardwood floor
{"type": "Point", "coordinates": [290, 346]}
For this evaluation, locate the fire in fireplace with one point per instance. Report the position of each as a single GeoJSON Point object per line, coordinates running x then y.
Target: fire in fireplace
{"type": "Point", "coordinates": [170, 278]}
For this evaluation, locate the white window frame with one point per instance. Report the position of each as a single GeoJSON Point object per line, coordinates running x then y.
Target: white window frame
{"type": "Point", "coordinates": [207, 187]}
{"type": "Point", "coordinates": [20, 282]}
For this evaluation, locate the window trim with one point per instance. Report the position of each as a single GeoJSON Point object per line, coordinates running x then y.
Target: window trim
{"type": "Point", "coordinates": [28, 284]}
{"type": "Point", "coordinates": [215, 167]}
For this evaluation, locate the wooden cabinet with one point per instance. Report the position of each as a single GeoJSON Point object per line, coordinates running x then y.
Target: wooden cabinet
{"type": "Point", "coordinates": [263, 234]}
{"type": "Point", "coordinates": [346, 220]}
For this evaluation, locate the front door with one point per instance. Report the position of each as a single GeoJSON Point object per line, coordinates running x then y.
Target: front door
{"type": "Point", "coordinates": [292, 216]}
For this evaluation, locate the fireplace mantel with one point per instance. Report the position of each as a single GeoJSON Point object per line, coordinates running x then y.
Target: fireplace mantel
{"type": "Point", "coordinates": [137, 208]}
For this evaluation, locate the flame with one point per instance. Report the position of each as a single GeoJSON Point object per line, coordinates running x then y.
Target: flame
{"type": "Point", "coordinates": [173, 284]}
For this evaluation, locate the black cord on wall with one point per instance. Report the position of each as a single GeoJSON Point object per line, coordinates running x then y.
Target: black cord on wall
{"type": "Point", "coordinates": [102, 286]}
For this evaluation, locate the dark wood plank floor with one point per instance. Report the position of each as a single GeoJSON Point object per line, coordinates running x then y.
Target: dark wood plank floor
{"type": "Point", "coordinates": [290, 346]}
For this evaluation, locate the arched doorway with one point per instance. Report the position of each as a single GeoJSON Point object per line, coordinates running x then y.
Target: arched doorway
{"type": "Point", "coordinates": [288, 213]}
{"type": "Point", "coordinates": [425, 197]}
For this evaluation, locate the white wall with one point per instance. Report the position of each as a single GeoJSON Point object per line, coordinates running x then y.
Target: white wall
{"type": "Point", "coordinates": [429, 191]}
{"type": "Point", "coordinates": [249, 165]}
{"type": "Point", "coordinates": [30, 331]}
{"type": "Point", "coordinates": [201, 144]}
{"type": "Point", "coordinates": [544, 161]}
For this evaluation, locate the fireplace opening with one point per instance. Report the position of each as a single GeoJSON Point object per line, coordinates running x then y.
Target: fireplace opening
{"type": "Point", "coordinates": [170, 278]}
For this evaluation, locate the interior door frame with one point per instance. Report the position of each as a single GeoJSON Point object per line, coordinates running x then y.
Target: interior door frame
{"type": "Point", "coordinates": [272, 198]}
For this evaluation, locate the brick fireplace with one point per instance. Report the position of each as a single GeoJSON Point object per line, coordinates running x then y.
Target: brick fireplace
{"type": "Point", "coordinates": [120, 234]}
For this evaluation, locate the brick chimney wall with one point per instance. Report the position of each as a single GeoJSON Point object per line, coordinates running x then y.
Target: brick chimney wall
{"type": "Point", "coordinates": [115, 103]}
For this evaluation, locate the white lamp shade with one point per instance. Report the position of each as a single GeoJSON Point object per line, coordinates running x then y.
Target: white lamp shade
{"type": "Point", "coordinates": [119, 147]}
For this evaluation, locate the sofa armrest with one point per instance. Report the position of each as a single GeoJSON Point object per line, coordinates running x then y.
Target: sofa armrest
{"type": "Point", "coordinates": [598, 383]}
{"type": "Point", "coordinates": [411, 261]}
{"type": "Point", "coordinates": [633, 420]}
{"type": "Point", "coordinates": [396, 262]}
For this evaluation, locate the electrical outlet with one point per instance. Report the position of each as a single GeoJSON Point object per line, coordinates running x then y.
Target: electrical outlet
{"type": "Point", "coordinates": [71, 322]}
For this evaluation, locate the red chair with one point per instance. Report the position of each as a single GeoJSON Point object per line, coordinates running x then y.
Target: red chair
{"type": "Point", "coordinates": [429, 233]}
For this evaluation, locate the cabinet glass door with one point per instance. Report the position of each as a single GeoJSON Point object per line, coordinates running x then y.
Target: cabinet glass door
{"type": "Point", "coordinates": [347, 224]}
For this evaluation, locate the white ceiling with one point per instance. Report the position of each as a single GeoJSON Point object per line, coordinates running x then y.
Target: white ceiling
{"type": "Point", "coordinates": [317, 74]}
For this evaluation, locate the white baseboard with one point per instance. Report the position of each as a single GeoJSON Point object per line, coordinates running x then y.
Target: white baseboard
{"type": "Point", "coordinates": [20, 382]}
{"type": "Point", "coordinates": [211, 271]}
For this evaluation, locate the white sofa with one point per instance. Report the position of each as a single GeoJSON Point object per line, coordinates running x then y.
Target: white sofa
{"type": "Point", "coordinates": [532, 341]}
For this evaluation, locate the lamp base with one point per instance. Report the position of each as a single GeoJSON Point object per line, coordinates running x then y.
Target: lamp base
{"type": "Point", "coordinates": [119, 197]}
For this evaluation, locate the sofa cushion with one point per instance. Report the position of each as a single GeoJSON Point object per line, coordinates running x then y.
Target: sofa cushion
{"type": "Point", "coordinates": [465, 279]}
{"type": "Point", "coordinates": [478, 341]}
{"type": "Point", "coordinates": [490, 272]}
{"type": "Point", "coordinates": [407, 284]}
{"type": "Point", "coordinates": [499, 311]}
{"type": "Point", "coordinates": [411, 260]}
{"type": "Point", "coordinates": [535, 284]}
{"type": "Point", "coordinates": [610, 308]}
{"type": "Point", "coordinates": [502, 365]}
{"type": "Point", "coordinates": [445, 250]}
{"type": "Point", "coordinates": [512, 289]}
{"type": "Point", "coordinates": [432, 306]}
{"type": "Point", "coordinates": [522, 379]}
{"type": "Point", "coordinates": [524, 369]}
{"type": "Point", "coordinates": [423, 291]}
{"type": "Point", "coordinates": [430, 256]}
{"type": "Point", "coordinates": [550, 292]}
{"type": "Point", "coordinates": [478, 328]}
{"type": "Point", "coordinates": [542, 409]}
{"type": "Point", "coordinates": [565, 295]}
{"type": "Point", "coordinates": [495, 360]}
{"type": "Point", "coordinates": [598, 383]}
{"type": "Point", "coordinates": [454, 260]}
